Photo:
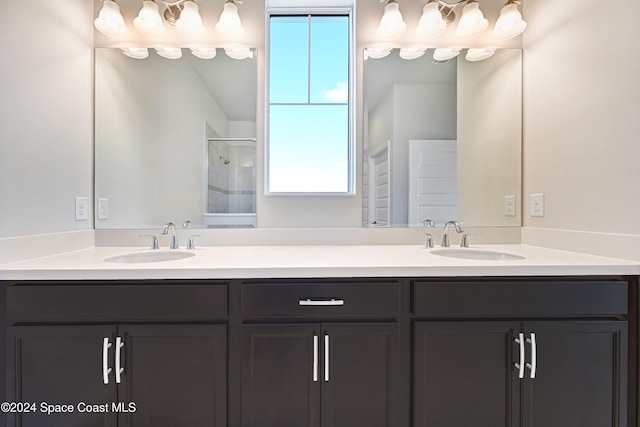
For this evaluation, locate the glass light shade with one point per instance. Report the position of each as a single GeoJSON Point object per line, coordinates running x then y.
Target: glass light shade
{"type": "Point", "coordinates": [238, 52]}
{"type": "Point", "coordinates": [392, 24]}
{"type": "Point", "coordinates": [479, 53]}
{"type": "Point", "coordinates": [136, 52]}
{"type": "Point", "coordinates": [229, 24]}
{"type": "Point", "coordinates": [190, 23]}
{"type": "Point", "coordinates": [411, 52]}
{"type": "Point", "coordinates": [445, 53]}
{"type": "Point", "coordinates": [472, 22]}
{"type": "Point", "coordinates": [204, 52]}
{"type": "Point", "coordinates": [169, 52]}
{"type": "Point", "coordinates": [509, 23]}
{"type": "Point", "coordinates": [431, 23]}
{"type": "Point", "coordinates": [110, 21]}
{"type": "Point", "coordinates": [377, 52]}
{"type": "Point", "coordinates": [148, 22]}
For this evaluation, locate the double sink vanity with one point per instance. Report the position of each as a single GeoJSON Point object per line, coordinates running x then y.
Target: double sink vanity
{"type": "Point", "coordinates": [261, 336]}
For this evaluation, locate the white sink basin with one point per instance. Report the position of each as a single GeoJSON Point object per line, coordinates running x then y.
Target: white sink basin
{"type": "Point", "coordinates": [479, 254]}
{"type": "Point", "coordinates": [149, 256]}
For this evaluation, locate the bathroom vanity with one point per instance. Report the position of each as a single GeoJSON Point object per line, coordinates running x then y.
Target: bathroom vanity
{"type": "Point", "coordinates": [300, 341]}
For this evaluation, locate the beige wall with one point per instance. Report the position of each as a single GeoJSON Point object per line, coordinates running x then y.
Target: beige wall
{"type": "Point", "coordinates": [46, 115]}
{"type": "Point", "coordinates": [582, 115]}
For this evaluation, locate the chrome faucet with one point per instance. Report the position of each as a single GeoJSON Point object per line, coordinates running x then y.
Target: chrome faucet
{"type": "Point", "coordinates": [445, 232]}
{"type": "Point", "coordinates": [171, 228]}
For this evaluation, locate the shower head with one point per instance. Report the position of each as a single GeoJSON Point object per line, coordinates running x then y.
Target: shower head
{"type": "Point", "coordinates": [226, 162]}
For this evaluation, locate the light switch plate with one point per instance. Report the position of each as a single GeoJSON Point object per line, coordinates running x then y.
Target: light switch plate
{"type": "Point", "coordinates": [536, 202]}
{"type": "Point", "coordinates": [82, 209]}
{"type": "Point", "coordinates": [103, 208]}
{"type": "Point", "coordinates": [510, 205]}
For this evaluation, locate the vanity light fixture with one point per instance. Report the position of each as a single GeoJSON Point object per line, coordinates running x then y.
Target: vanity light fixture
{"type": "Point", "coordinates": [446, 53]}
{"type": "Point", "coordinates": [391, 25]}
{"type": "Point", "coordinates": [376, 52]}
{"type": "Point", "coordinates": [472, 22]}
{"type": "Point", "coordinates": [169, 52]}
{"type": "Point", "coordinates": [110, 21]}
{"type": "Point", "coordinates": [238, 52]}
{"type": "Point", "coordinates": [189, 24]}
{"type": "Point", "coordinates": [136, 52]}
{"type": "Point", "coordinates": [432, 22]}
{"type": "Point", "coordinates": [229, 24]}
{"type": "Point", "coordinates": [411, 52]}
{"type": "Point", "coordinates": [510, 23]}
{"type": "Point", "coordinates": [479, 53]}
{"type": "Point", "coordinates": [149, 22]}
{"type": "Point", "coordinates": [204, 52]}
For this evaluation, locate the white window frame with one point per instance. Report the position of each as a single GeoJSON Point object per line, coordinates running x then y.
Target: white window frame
{"type": "Point", "coordinates": [313, 11]}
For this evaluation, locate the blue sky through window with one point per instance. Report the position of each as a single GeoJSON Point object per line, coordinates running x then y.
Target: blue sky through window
{"type": "Point", "coordinates": [309, 104]}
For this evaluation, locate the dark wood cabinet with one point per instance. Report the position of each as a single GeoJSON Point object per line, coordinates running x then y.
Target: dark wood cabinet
{"type": "Point", "coordinates": [312, 375]}
{"type": "Point", "coordinates": [171, 375]}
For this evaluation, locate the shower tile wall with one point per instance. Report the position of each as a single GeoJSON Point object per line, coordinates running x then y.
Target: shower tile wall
{"type": "Point", "coordinates": [218, 178]}
{"type": "Point", "coordinates": [231, 185]}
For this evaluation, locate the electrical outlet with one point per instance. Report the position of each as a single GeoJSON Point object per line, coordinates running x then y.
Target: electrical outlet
{"type": "Point", "coordinates": [536, 204]}
{"type": "Point", "coordinates": [82, 209]}
{"type": "Point", "coordinates": [510, 205]}
{"type": "Point", "coordinates": [103, 208]}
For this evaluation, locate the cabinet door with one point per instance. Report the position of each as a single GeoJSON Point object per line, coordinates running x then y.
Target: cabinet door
{"type": "Point", "coordinates": [360, 375]}
{"type": "Point", "coordinates": [175, 375]}
{"type": "Point", "coordinates": [463, 374]}
{"type": "Point", "coordinates": [581, 375]}
{"type": "Point", "coordinates": [59, 366]}
{"type": "Point", "coordinates": [281, 375]}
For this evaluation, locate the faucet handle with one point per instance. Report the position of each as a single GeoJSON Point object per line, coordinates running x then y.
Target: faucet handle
{"type": "Point", "coordinates": [187, 224]}
{"type": "Point", "coordinates": [192, 243]}
{"type": "Point", "coordinates": [154, 241]}
{"type": "Point", "coordinates": [428, 223]}
{"type": "Point", "coordinates": [464, 243]}
{"type": "Point", "coordinates": [429, 242]}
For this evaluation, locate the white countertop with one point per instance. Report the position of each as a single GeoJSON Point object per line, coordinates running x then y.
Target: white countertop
{"type": "Point", "coordinates": [244, 262]}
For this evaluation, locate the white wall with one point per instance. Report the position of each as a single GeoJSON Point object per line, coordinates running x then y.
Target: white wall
{"type": "Point", "coordinates": [581, 117]}
{"type": "Point", "coordinates": [46, 112]}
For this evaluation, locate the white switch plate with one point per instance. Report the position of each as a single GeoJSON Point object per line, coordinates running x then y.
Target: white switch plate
{"type": "Point", "coordinates": [103, 208]}
{"type": "Point", "coordinates": [537, 204]}
{"type": "Point", "coordinates": [82, 209]}
{"type": "Point", "coordinates": [510, 205]}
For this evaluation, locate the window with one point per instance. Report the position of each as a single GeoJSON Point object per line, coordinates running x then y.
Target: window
{"type": "Point", "coordinates": [310, 147]}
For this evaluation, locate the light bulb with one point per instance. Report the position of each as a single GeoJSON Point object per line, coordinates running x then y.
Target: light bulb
{"type": "Point", "coordinates": [392, 24]}
{"type": "Point", "coordinates": [238, 52]}
{"type": "Point", "coordinates": [479, 53]}
{"type": "Point", "coordinates": [229, 24]}
{"type": "Point", "coordinates": [169, 52]}
{"type": "Point", "coordinates": [411, 52]}
{"type": "Point", "coordinates": [377, 52]}
{"type": "Point", "coordinates": [110, 21]}
{"type": "Point", "coordinates": [472, 22]}
{"type": "Point", "coordinates": [190, 23]}
{"type": "Point", "coordinates": [148, 22]}
{"type": "Point", "coordinates": [509, 23]}
{"type": "Point", "coordinates": [136, 52]}
{"type": "Point", "coordinates": [204, 52]}
{"type": "Point", "coordinates": [431, 22]}
{"type": "Point", "coordinates": [445, 53]}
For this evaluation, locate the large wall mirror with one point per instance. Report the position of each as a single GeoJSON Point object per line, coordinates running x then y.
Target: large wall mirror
{"type": "Point", "coordinates": [442, 140]}
{"type": "Point", "coordinates": [174, 140]}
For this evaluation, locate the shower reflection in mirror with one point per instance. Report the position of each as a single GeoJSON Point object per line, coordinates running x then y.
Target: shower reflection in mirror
{"type": "Point", "coordinates": [230, 190]}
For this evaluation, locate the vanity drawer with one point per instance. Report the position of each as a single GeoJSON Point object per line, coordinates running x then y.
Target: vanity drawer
{"type": "Point", "coordinates": [520, 298]}
{"type": "Point", "coordinates": [116, 302]}
{"type": "Point", "coordinates": [373, 300]}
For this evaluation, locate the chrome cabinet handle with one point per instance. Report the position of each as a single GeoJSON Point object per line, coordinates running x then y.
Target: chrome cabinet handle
{"type": "Point", "coordinates": [326, 358]}
{"type": "Point", "coordinates": [118, 350]}
{"type": "Point", "coordinates": [534, 355]}
{"type": "Point", "coordinates": [521, 364]}
{"type": "Point", "coordinates": [315, 358]}
{"type": "Point", "coordinates": [106, 370]}
{"type": "Point", "coordinates": [331, 301]}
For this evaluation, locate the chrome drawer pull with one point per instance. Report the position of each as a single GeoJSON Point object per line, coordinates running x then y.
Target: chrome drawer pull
{"type": "Point", "coordinates": [534, 355]}
{"type": "Point", "coordinates": [521, 364]}
{"type": "Point", "coordinates": [331, 301]}
{"type": "Point", "coordinates": [106, 370]}
{"type": "Point", "coordinates": [118, 350]}
{"type": "Point", "coordinates": [315, 358]}
{"type": "Point", "coordinates": [326, 358]}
